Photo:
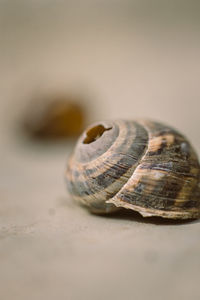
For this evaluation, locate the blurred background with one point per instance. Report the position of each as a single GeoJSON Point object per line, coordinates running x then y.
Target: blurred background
{"type": "Point", "coordinates": [124, 59]}
{"type": "Point", "coordinates": [130, 58]}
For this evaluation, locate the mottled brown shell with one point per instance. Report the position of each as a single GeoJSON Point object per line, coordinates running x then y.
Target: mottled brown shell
{"type": "Point", "coordinates": [140, 165]}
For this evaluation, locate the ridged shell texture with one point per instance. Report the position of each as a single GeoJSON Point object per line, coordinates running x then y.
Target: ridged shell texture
{"type": "Point", "coordinates": [140, 165]}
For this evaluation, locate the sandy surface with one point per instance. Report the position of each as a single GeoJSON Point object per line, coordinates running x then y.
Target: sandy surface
{"type": "Point", "coordinates": [130, 67]}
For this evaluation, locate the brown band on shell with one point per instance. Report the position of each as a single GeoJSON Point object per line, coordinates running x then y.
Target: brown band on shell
{"type": "Point", "coordinates": [157, 184]}
{"type": "Point", "coordinates": [122, 162]}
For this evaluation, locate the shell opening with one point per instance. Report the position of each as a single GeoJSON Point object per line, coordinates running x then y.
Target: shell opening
{"type": "Point", "coordinates": [94, 133]}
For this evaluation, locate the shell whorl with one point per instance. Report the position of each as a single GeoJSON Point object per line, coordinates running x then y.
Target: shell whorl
{"type": "Point", "coordinates": [141, 165]}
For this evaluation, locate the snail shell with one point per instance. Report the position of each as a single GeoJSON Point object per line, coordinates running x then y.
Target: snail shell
{"type": "Point", "coordinates": [140, 165]}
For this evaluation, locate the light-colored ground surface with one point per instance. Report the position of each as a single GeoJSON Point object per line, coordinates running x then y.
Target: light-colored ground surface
{"type": "Point", "coordinates": [133, 63]}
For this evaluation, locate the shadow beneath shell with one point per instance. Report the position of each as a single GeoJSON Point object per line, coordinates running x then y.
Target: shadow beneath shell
{"type": "Point", "coordinates": [129, 215]}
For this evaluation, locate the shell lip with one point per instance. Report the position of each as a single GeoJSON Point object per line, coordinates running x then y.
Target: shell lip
{"type": "Point", "coordinates": [151, 212]}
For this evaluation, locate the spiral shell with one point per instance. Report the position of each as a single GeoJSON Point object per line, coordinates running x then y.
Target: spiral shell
{"type": "Point", "coordinates": [140, 165]}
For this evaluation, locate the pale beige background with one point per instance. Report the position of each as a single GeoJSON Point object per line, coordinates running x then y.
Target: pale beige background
{"type": "Point", "coordinates": [130, 59]}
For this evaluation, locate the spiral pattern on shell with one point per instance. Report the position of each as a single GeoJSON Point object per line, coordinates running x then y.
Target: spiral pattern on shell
{"type": "Point", "coordinates": [140, 165]}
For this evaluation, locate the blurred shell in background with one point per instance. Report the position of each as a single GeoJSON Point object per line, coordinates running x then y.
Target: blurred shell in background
{"type": "Point", "coordinates": [54, 116]}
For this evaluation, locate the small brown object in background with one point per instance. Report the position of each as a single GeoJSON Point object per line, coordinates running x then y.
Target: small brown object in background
{"type": "Point", "coordinates": [55, 116]}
